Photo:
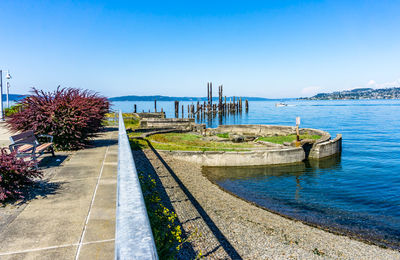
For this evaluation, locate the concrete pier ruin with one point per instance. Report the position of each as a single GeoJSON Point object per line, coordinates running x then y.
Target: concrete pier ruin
{"type": "Point", "coordinates": [270, 153]}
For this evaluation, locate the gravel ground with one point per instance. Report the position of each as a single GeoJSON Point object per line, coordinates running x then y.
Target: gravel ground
{"type": "Point", "coordinates": [222, 226]}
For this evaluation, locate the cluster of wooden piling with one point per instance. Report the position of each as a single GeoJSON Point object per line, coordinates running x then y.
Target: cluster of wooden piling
{"type": "Point", "coordinates": [208, 108]}
{"type": "Point", "coordinates": [233, 106]}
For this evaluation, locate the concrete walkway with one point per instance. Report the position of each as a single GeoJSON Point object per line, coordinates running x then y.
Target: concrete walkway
{"type": "Point", "coordinates": [5, 134]}
{"type": "Point", "coordinates": [77, 220]}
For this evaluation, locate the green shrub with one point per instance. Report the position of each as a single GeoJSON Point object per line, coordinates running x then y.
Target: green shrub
{"type": "Point", "coordinates": [12, 110]}
{"type": "Point", "coordinates": [167, 233]}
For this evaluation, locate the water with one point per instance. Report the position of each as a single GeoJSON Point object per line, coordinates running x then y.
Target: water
{"type": "Point", "coordinates": [356, 193]}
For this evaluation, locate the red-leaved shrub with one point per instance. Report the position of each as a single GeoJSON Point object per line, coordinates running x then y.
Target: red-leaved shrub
{"type": "Point", "coordinates": [15, 175]}
{"type": "Point", "coordinates": [70, 115]}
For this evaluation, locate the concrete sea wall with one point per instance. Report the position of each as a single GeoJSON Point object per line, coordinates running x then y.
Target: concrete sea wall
{"type": "Point", "coordinates": [168, 123]}
{"type": "Point", "coordinates": [327, 148]}
{"type": "Point", "coordinates": [250, 158]}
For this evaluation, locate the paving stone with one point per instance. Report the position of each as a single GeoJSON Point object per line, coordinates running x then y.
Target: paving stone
{"type": "Point", "coordinates": [51, 225]}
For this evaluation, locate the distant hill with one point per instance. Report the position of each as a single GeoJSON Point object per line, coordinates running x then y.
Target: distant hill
{"type": "Point", "coordinates": [359, 93]}
{"type": "Point", "coordinates": [167, 98]}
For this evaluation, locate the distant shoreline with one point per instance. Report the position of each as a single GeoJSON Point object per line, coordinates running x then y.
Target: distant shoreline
{"type": "Point", "coordinates": [169, 98]}
{"type": "Point", "coordinates": [359, 94]}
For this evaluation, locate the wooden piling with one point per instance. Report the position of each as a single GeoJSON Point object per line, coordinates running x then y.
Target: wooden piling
{"type": "Point", "coordinates": [225, 105]}
{"type": "Point", "coordinates": [176, 109]}
{"type": "Point", "coordinates": [208, 92]}
{"type": "Point", "coordinates": [155, 105]}
{"type": "Point", "coordinates": [211, 93]}
{"type": "Point", "coordinates": [134, 108]}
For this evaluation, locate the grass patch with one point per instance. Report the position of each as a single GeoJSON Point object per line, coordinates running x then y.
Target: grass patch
{"type": "Point", "coordinates": [223, 135]}
{"type": "Point", "coordinates": [173, 147]}
{"type": "Point", "coordinates": [286, 138]}
{"type": "Point", "coordinates": [138, 144]}
{"type": "Point", "coordinates": [135, 134]}
{"type": "Point", "coordinates": [184, 138]}
{"type": "Point", "coordinates": [193, 142]}
{"type": "Point", "coordinates": [132, 123]}
{"type": "Point", "coordinates": [117, 114]}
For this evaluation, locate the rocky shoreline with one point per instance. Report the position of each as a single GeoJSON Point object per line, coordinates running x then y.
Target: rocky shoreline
{"type": "Point", "coordinates": [222, 226]}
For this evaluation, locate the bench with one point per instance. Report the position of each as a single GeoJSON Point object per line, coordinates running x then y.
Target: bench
{"type": "Point", "coordinates": [26, 145]}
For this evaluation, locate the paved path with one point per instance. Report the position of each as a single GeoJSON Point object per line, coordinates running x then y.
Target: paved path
{"type": "Point", "coordinates": [5, 134]}
{"type": "Point", "coordinates": [77, 219]}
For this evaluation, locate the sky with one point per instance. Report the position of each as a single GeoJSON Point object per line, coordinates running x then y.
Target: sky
{"type": "Point", "coordinates": [272, 49]}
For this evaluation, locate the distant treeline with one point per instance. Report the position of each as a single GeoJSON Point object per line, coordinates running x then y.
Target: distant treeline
{"type": "Point", "coordinates": [359, 93]}
{"type": "Point", "coordinates": [166, 98]}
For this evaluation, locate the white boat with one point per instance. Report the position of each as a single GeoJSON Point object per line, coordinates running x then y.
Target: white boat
{"type": "Point", "coordinates": [281, 104]}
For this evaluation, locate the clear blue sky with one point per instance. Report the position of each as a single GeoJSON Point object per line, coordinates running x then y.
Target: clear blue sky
{"type": "Point", "coordinates": [255, 48]}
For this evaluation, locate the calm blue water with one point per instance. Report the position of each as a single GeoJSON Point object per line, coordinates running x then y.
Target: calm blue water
{"type": "Point", "coordinates": [358, 192]}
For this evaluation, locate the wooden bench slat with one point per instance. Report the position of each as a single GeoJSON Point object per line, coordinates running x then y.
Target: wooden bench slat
{"type": "Point", "coordinates": [43, 147]}
{"type": "Point", "coordinates": [25, 148]}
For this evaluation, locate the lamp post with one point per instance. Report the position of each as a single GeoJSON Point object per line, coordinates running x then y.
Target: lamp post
{"type": "Point", "coordinates": [1, 96]}
{"type": "Point", "coordinates": [8, 77]}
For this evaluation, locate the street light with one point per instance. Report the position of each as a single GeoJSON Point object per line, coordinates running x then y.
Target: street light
{"type": "Point", "coordinates": [1, 97]}
{"type": "Point", "coordinates": [8, 77]}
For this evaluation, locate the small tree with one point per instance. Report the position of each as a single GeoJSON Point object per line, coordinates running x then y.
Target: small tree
{"type": "Point", "coordinates": [70, 115]}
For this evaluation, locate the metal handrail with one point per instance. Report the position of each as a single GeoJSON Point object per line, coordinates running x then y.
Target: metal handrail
{"type": "Point", "coordinates": [133, 235]}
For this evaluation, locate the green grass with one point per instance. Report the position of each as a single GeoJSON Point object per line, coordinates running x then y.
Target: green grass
{"type": "Point", "coordinates": [223, 135]}
{"type": "Point", "coordinates": [194, 142]}
{"type": "Point", "coordinates": [185, 138]}
{"type": "Point", "coordinates": [132, 123]}
{"type": "Point", "coordinates": [138, 144]}
{"type": "Point", "coordinates": [185, 142]}
{"type": "Point", "coordinates": [174, 147]}
{"type": "Point", "coordinates": [286, 138]}
{"type": "Point", "coordinates": [135, 134]}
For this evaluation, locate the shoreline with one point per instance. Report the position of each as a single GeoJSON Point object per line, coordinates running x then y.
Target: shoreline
{"type": "Point", "coordinates": [332, 230]}
{"type": "Point", "coordinates": [255, 233]}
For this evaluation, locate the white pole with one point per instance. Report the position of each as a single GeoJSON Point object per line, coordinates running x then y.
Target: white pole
{"type": "Point", "coordinates": [8, 86]}
{"type": "Point", "coordinates": [1, 96]}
